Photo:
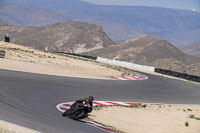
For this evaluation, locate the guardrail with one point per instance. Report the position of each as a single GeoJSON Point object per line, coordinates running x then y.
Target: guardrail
{"type": "Point", "coordinates": [2, 54]}
{"type": "Point", "coordinates": [178, 74]}
{"type": "Point", "coordinates": [79, 55]}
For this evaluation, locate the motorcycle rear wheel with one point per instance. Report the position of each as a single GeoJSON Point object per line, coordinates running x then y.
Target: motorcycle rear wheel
{"type": "Point", "coordinates": [66, 113]}
{"type": "Point", "coordinates": [79, 116]}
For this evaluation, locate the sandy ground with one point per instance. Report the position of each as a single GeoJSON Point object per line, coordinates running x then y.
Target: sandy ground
{"type": "Point", "coordinates": [27, 59]}
{"type": "Point", "coordinates": [6, 127]}
{"type": "Point", "coordinates": [152, 119]}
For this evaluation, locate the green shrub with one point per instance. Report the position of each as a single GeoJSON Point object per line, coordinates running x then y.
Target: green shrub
{"type": "Point", "coordinates": [191, 116]}
{"type": "Point", "coordinates": [186, 124]}
{"type": "Point", "coordinates": [144, 106]}
{"type": "Point", "coordinates": [197, 118]}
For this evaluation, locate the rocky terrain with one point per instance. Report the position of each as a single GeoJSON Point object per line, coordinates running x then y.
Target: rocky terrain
{"type": "Point", "coordinates": [179, 27]}
{"type": "Point", "coordinates": [192, 49]}
{"type": "Point", "coordinates": [147, 50]}
{"type": "Point", "coordinates": [197, 55]}
{"type": "Point", "coordinates": [74, 37]}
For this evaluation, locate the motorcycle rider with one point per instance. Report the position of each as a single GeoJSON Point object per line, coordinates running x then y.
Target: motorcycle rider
{"type": "Point", "coordinates": [87, 101]}
{"type": "Point", "coordinates": [7, 38]}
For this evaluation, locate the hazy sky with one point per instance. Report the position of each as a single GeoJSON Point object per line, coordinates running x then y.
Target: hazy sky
{"type": "Point", "coordinates": [179, 4]}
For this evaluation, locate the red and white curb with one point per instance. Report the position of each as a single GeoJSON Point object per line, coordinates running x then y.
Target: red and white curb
{"type": "Point", "coordinates": [138, 77]}
{"type": "Point", "coordinates": [64, 106]}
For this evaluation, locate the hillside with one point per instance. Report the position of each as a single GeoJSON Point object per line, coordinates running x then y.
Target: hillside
{"type": "Point", "coordinates": [197, 55]}
{"type": "Point", "coordinates": [148, 50]}
{"type": "Point", "coordinates": [116, 31]}
{"type": "Point", "coordinates": [19, 14]}
{"type": "Point", "coordinates": [191, 49]}
{"type": "Point", "coordinates": [179, 27]}
{"type": "Point", "coordinates": [66, 37]}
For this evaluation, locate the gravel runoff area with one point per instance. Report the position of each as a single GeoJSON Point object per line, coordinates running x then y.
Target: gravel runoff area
{"type": "Point", "coordinates": [150, 118]}
{"type": "Point", "coordinates": [6, 127]}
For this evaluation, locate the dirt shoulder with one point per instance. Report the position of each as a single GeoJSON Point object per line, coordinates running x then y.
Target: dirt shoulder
{"type": "Point", "coordinates": [27, 59]}
{"type": "Point", "coordinates": [151, 119]}
{"type": "Point", "coordinates": [6, 127]}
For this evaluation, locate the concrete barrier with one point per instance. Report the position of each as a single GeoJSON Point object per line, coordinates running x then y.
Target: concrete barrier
{"type": "Point", "coordinates": [126, 64]}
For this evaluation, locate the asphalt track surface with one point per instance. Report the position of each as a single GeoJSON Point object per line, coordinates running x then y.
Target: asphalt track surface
{"type": "Point", "coordinates": [30, 99]}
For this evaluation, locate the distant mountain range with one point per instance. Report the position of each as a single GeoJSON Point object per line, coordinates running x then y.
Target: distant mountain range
{"type": "Point", "coordinates": [73, 37]}
{"type": "Point", "coordinates": [192, 49]}
{"type": "Point", "coordinates": [19, 14]}
{"type": "Point", "coordinates": [147, 50]}
{"type": "Point", "coordinates": [179, 27]}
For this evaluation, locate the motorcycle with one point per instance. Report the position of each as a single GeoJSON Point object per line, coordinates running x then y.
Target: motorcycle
{"type": "Point", "coordinates": [78, 111]}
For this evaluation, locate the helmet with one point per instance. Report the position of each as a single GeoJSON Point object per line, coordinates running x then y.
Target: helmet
{"type": "Point", "coordinates": [91, 98]}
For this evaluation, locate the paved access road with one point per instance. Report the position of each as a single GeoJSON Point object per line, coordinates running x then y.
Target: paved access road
{"type": "Point", "coordinates": [30, 99]}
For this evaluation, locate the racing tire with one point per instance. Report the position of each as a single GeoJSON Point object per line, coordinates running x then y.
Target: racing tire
{"type": "Point", "coordinates": [82, 115]}
{"type": "Point", "coordinates": [66, 113]}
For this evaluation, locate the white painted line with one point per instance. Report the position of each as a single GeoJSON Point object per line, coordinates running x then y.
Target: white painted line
{"type": "Point", "coordinates": [122, 103]}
